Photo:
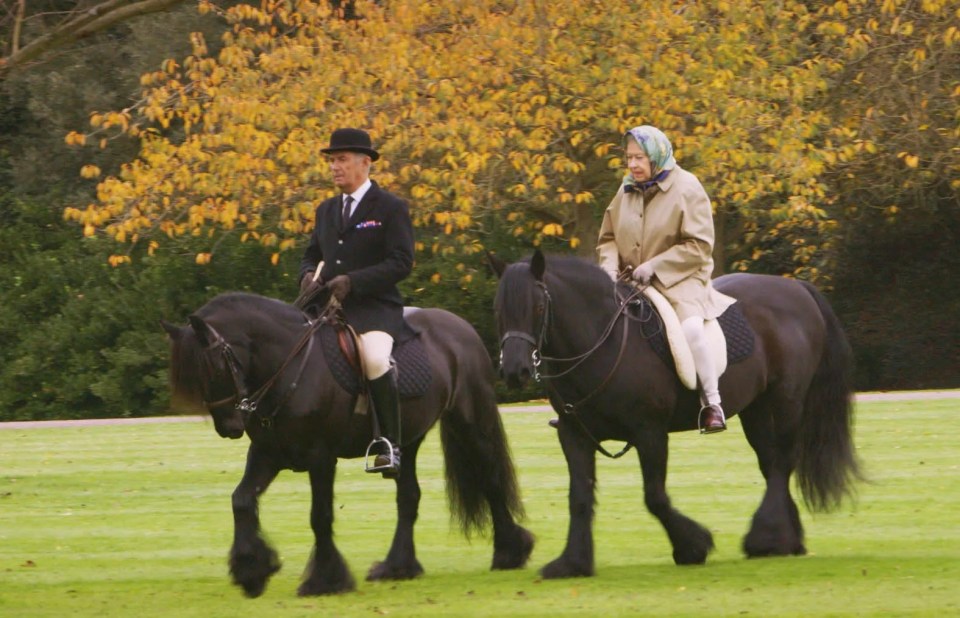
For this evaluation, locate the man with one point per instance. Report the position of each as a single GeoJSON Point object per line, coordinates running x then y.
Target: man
{"type": "Point", "coordinates": [363, 243]}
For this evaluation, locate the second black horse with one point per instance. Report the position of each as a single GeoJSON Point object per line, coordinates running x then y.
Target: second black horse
{"type": "Point", "coordinates": [563, 319]}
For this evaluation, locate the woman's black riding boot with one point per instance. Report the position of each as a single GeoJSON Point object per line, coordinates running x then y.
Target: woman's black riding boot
{"type": "Point", "coordinates": [386, 405]}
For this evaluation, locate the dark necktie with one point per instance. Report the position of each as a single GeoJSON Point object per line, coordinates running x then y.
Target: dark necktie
{"type": "Point", "coordinates": [345, 215]}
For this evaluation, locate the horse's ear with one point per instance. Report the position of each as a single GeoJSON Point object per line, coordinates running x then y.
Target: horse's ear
{"type": "Point", "coordinates": [538, 265]}
{"type": "Point", "coordinates": [172, 330]}
{"type": "Point", "coordinates": [205, 333]}
{"type": "Point", "coordinates": [496, 264]}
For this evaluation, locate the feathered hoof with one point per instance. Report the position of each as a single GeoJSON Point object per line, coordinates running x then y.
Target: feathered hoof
{"type": "Point", "coordinates": [386, 571]}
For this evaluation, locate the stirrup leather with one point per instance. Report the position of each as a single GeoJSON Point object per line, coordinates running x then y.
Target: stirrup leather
{"type": "Point", "coordinates": [392, 453]}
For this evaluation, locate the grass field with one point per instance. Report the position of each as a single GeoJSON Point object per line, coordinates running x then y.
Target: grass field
{"type": "Point", "coordinates": [135, 520]}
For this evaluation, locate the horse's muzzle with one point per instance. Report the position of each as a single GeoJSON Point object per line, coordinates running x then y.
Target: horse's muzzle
{"type": "Point", "coordinates": [516, 361]}
{"type": "Point", "coordinates": [229, 425]}
{"type": "Point", "coordinates": [517, 377]}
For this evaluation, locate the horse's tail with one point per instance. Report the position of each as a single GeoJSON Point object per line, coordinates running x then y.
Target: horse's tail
{"type": "Point", "coordinates": [827, 465]}
{"type": "Point", "coordinates": [478, 465]}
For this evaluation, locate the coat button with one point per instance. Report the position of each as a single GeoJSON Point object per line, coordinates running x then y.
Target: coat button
{"type": "Point", "coordinates": [338, 261]}
{"type": "Point", "coordinates": [340, 242]}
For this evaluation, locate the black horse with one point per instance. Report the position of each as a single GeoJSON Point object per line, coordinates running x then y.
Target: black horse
{"type": "Point", "coordinates": [561, 317]}
{"type": "Point", "coordinates": [252, 363]}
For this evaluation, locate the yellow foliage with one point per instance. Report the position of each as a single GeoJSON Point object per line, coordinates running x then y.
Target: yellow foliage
{"type": "Point", "coordinates": [479, 108]}
{"type": "Point", "coordinates": [552, 229]}
{"type": "Point", "coordinates": [90, 171]}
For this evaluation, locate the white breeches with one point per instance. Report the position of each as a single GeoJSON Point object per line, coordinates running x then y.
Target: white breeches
{"type": "Point", "coordinates": [694, 332]}
{"type": "Point", "coordinates": [375, 348]}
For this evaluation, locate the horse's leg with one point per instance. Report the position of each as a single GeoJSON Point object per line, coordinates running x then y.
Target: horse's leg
{"type": "Point", "coordinates": [776, 529]}
{"type": "Point", "coordinates": [691, 542]}
{"type": "Point", "coordinates": [252, 560]}
{"type": "Point", "coordinates": [512, 543]}
{"type": "Point", "coordinates": [327, 572]}
{"type": "Point", "coordinates": [401, 561]}
{"type": "Point", "coordinates": [577, 557]}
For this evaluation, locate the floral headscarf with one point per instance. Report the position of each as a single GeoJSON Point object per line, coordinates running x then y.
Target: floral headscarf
{"type": "Point", "coordinates": [658, 149]}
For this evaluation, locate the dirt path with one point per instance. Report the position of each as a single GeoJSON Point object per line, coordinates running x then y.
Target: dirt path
{"type": "Point", "coordinates": [93, 422]}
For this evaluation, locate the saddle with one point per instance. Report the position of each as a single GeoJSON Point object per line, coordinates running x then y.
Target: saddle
{"type": "Point", "coordinates": [730, 337]}
{"type": "Point", "coordinates": [339, 347]}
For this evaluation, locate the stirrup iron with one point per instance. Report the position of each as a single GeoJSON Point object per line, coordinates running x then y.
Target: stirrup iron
{"type": "Point", "coordinates": [700, 426]}
{"type": "Point", "coordinates": [392, 453]}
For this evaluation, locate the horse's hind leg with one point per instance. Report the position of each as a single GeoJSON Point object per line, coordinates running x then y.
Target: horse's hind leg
{"type": "Point", "coordinates": [327, 572]}
{"type": "Point", "coordinates": [776, 529]}
{"type": "Point", "coordinates": [252, 560]}
{"type": "Point", "coordinates": [691, 542]}
{"type": "Point", "coordinates": [401, 561]}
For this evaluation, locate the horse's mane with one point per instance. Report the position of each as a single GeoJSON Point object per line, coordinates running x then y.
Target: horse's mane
{"type": "Point", "coordinates": [580, 272]}
{"type": "Point", "coordinates": [186, 358]}
{"type": "Point", "coordinates": [576, 271]}
{"type": "Point", "coordinates": [248, 302]}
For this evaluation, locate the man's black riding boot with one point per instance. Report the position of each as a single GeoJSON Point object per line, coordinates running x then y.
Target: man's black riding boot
{"type": "Point", "coordinates": [386, 405]}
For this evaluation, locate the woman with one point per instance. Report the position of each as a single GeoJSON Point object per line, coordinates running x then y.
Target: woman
{"type": "Point", "coordinates": [659, 229]}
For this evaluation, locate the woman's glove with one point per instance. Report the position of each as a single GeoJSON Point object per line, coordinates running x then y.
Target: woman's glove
{"type": "Point", "coordinates": [643, 274]}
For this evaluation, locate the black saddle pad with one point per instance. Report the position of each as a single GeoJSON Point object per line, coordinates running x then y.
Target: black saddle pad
{"type": "Point", "coordinates": [413, 366]}
{"type": "Point", "coordinates": [733, 323]}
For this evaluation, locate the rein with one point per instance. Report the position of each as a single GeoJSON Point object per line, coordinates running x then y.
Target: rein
{"type": "Point", "coordinates": [570, 409]}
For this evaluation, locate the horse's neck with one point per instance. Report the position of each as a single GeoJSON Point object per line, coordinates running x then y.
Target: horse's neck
{"type": "Point", "coordinates": [271, 335]}
{"type": "Point", "coordinates": [580, 315]}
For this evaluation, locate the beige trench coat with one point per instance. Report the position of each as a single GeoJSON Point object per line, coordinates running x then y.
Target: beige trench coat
{"type": "Point", "coordinates": [672, 228]}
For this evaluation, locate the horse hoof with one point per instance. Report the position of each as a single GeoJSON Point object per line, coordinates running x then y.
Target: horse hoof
{"type": "Point", "coordinates": [385, 571]}
{"type": "Point", "coordinates": [561, 568]}
{"type": "Point", "coordinates": [515, 556]}
{"type": "Point", "coordinates": [311, 588]}
{"type": "Point", "coordinates": [252, 571]}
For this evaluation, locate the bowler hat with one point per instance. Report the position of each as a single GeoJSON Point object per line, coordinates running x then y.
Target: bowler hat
{"type": "Point", "coordinates": [352, 140]}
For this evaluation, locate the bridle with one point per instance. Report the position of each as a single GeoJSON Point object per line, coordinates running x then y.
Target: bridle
{"type": "Point", "coordinates": [537, 357]}
{"type": "Point", "coordinates": [243, 401]}
{"type": "Point", "coordinates": [541, 338]}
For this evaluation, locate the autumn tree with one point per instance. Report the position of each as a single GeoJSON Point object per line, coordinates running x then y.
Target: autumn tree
{"type": "Point", "coordinates": [32, 31]}
{"type": "Point", "coordinates": [488, 114]}
{"type": "Point", "coordinates": [896, 89]}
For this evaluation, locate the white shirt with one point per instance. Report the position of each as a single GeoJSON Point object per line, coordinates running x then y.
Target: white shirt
{"type": "Point", "coordinates": [357, 195]}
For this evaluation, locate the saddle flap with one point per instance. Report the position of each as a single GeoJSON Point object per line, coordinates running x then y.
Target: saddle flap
{"type": "Point", "coordinates": [414, 372]}
{"type": "Point", "coordinates": [730, 337]}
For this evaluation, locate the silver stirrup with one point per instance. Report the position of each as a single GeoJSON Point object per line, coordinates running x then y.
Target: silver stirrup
{"type": "Point", "coordinates": [391, 452]}
{"type": "Point", "coordinates": [723, 417]}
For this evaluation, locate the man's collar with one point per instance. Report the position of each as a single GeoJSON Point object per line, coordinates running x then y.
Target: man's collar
{"type": "Point", "coordinates": [361, 191]}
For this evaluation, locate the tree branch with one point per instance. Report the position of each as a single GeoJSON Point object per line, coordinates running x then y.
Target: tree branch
{"type": "Point", "coordinates": [17, 25]}
{"type": "Point", "coordinates": [95, 19]}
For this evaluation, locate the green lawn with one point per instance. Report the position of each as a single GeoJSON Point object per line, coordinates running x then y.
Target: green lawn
{"type": "Point", "coordinates": [135, 520]}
